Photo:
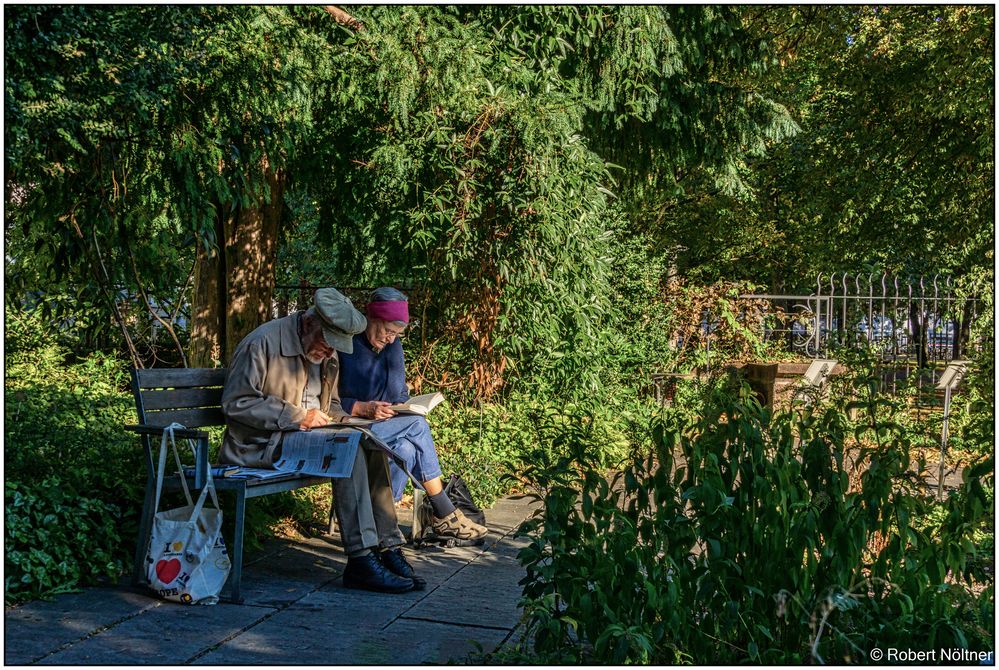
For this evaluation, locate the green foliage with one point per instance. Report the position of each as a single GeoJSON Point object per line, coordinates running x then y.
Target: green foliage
{"type": "Point", "coordinates": [489, 445]}
{"type": "Point", "coordinates": [135, 130]}
{"type": "Point", "coordinates": [73, 476]}
{"type": "Point", "coordinates": [708, 326]}
{"type": "Point", "coordinates": [486, 155]}
{"type": "Point", "coordinates": [640, 292]}
{"type": "Point", "coordinates": [56, 537]}
{"type": "Point", "coordinates": [87, 96]}
{"type": "Point", "coordinates": [674, 559]}
{"type": "Point", "coordinates": [667, 89]}
{"type": "Point", "coordinates": [894, 163]}
{"type": "Point", "coordinates": [482, 444]}
{"type": "Point", "coordinates": [972, 426]}
{"type": "Point", "coordinates": [472, 162]}
{"type": "Point", "coordinates": [480, 187]}
{"type": "Point", "coordinates": [63, 418]}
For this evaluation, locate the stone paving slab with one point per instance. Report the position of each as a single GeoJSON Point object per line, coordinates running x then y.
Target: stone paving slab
{"type": "Point", "coordinates": [484, 595]}
{"type": "Point", "coordinates": [508, 513]}
{"type": "Point", "coordinates": [289, 575]}
{"type": "Point", "coordinates": [406, 642]}
{"type": "Point", "coordinates": [169, 634]}
{"type": "Point", "coordinates": [438, 643]}
{"type": "Point", "coordinates": [38, 628]}
{"type": "Point", "coordinates": [320, 624]}
{"type": "Point", "coordinates": [509, 548]}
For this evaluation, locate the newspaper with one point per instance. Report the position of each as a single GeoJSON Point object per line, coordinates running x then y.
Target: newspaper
{"type": "Point", "coordinates": [394, 457]}
{"type": "Point", "coordinates": [260, 473]}
{"type": "Point", "coordinates": [330, 451]}
{"type": "Point", "coordinates": [323, 452]}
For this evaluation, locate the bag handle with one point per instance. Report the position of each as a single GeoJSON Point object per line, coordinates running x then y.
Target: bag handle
{"type": "Point", "coordinates": [161, 466]}
{"type": "Point", "coordinates": [168, 434]}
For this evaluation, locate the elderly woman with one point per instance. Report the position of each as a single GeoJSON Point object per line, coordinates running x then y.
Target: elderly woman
{"type": "Point", "coordinates": [374, 377]}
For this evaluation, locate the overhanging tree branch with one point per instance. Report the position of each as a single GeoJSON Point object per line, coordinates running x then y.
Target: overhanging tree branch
{"type": "Point", "coordinates": [107, 286]}
{"type": "Point", "coordinates": [343, 18]}
{"type": "Point", "coordinates": [152, 310]}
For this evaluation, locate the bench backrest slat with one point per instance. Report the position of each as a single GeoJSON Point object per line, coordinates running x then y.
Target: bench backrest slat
{"type": "Point", "coordinates": [159, 399]}
{"type": "Point", "coordinates": [180, 377]}
{"type": "Point", "coordinates": [188, 396]}
{"type": "Point", "coordinates": [189, 418]}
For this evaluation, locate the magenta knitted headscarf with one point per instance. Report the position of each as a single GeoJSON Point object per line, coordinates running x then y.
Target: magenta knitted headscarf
{"type": "Point", "coordinates": [389, 310]}
{"type": "Point", "coordinates": [388, 304]}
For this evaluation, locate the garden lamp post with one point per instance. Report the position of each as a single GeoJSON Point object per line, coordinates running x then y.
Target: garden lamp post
{"type": "Point", "coordinates": [949, 381]}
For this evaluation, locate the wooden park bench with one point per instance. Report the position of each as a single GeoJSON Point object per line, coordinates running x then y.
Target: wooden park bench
{"type": "Point", "coordinates": [192, 397]}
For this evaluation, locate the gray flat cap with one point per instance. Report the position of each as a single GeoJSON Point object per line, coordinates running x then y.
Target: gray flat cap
{"type": "Point", "coordinates": [339, 318]}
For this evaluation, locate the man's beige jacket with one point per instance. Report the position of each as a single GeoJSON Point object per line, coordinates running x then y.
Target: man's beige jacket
{"type": "Point", "coordinates": [263, 392]}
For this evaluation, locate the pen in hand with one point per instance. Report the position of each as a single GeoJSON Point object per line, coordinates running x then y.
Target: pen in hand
{"type": "Point", "coordinates": [313, 419]}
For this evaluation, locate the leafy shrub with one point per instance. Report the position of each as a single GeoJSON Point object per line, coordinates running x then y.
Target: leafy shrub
{"type": "Point", "coordinates": [62, 418]}
{"type": "Point", "coordinates": [56, 537]}
{"type": "Point", "coordinates": [746, 537]}
{"type": "Point", "coordinates": [490, 444]}
{"type": "Point", "coordinates": [73, 475]}
{"type": "Point", "coordinates": [972, 427]}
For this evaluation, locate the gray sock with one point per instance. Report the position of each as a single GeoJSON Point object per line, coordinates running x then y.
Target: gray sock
{"type": "Point", "coordinates": [358, 554]}
{"type": "Point", "coordinates": [442, 505]}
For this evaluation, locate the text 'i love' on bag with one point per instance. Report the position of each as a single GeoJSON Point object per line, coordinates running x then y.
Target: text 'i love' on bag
{"type": "Point", "coordinates": [187, 561]}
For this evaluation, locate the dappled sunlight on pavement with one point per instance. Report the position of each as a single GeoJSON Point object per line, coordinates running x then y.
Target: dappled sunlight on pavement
{"type": "Point", "coordinates": [295, 611]}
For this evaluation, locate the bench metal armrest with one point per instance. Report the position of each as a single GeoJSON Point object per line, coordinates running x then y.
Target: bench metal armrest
{"type": "Point", "coordinates": [201, 447]}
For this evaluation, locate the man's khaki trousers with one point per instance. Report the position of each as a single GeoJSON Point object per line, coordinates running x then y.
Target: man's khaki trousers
{"type": "Point", "coordinates": [364, 507]}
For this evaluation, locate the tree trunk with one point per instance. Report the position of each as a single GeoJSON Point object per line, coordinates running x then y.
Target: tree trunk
{"type": "Point", "coordinates": [962, 330]}
{"type": "Point", "coordinates": [233, 290]}
{"type": "Point", "coordinates": [918, 320]}
{"type": "Point", "coordinates": [251, 252]}
{"type": "Point", "coordinates": [208, 302]}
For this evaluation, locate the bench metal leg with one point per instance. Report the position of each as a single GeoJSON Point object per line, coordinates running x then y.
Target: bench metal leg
{"type": "Point", "coordinates": [237, 549]}
{"type": "Point", "coordinates": [145, 528]}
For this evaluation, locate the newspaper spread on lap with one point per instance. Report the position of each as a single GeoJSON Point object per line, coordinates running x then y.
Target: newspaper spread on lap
{"type": "Point", "coordinates": [323, 452]}
{"type": "Point", "coordinates": [330, 452]}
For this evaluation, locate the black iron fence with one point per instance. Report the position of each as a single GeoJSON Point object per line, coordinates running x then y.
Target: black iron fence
{"type": "Point", "coordinates": [908, 323]}
{"type": "Point", "coordinates": [921, 319]}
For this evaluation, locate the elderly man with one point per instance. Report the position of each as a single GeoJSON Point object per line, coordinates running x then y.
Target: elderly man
{"type": "Point", "coordinates": [283, 376]}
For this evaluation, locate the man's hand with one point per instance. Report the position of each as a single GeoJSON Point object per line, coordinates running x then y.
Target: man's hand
{"type": "Point", "coordinates": [313, 419]}
{"type": "Point", "coordinates": [373, 409]}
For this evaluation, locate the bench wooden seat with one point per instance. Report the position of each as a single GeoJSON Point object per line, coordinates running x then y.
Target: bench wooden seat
{"type": "Point", "coordinates": [192, 397]}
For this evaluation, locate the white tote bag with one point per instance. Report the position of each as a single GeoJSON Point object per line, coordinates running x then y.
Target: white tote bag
{"type": "Point", "coordinates": [187, 561]}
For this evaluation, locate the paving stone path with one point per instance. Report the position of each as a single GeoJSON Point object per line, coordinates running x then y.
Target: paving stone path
{"type": "Point", "coordinates": [295, 612]}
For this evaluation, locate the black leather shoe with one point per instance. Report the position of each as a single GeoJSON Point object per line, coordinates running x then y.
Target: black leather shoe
{"type": "Point", "coordinates": [396, 562]}
{"type": "Point", "coordinates": [368, 573]}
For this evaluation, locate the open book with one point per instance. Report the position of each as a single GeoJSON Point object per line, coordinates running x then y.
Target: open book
{"type": "Point", "coordinates": [421, 404]}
